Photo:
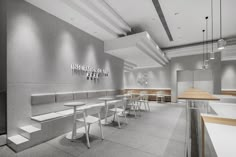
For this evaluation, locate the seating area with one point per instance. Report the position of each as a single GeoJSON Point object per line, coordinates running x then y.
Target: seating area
{"type": "Point", "coordinates": [51, 116]}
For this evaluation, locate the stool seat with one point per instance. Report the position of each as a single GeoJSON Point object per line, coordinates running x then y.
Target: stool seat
{"type": "Point", "coordinates": [89, 119]}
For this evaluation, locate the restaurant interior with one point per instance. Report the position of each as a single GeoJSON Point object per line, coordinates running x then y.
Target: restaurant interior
{"type": "Point", "coordinates": [117, 78]}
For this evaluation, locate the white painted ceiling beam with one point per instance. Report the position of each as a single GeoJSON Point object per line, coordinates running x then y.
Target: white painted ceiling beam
{"type": "Point", "coordinates": [96, 9]}
{"type": "Point", "coordinates": [229, 53]}
{"type": "Point", "coordinates": [155, 48]}
{"type": "Point", "coordinates": [158, 55]}
{"type": "Point", "coordinates": [144, 50]}
{"type": "Point", "coordinates": [136, 48]}
{"type": "Point", "coordinates": [98, 12]}
{"type": "Point", "coordinates": [127, 66]}
{"type": "Point", "coordinates": [116, 17]}
{"type": "Point", "coordinates": [88, 15]}
{"type": "Point", "coordinates": [126, 63]}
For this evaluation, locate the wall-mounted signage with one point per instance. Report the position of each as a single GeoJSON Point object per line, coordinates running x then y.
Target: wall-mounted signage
{"type": "Point", "coordinates": [91, 72]}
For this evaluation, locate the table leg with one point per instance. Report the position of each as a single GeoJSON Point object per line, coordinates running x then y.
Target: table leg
{"type": "Point", "coordinates": [106, 106]}
{"type": "Point", "coordinates": [74, 125]}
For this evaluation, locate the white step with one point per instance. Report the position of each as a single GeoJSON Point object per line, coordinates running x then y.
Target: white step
{"type": "Point", "coordinates": [46, 117]}
{"type": "Point", "coordinates": [28, 131]}
{"type": "Point", "coordinates": [18, 139]}
{"type": "Point", "coordinates": [18, 143]}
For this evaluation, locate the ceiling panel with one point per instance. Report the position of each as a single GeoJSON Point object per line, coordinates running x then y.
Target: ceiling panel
{"type": "Point", "coordinates": [185, 19]}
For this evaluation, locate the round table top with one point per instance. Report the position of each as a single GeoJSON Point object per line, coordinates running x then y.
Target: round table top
{"type": "Point", "coordinates": [106, 98]}
{"type": "Point", "coordinates": [75, 103]}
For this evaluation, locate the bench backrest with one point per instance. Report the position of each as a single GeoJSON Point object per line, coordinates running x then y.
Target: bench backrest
{"type": "Point", "coordinates": [53, 102]}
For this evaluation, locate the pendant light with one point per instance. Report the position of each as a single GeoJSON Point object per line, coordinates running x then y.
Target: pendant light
{"type": "Point", "coordinates": [207, 53]}
{"type": "Point", "coordinates": [203, 49]}
{"type": "Point", "coordinates": [212, 54]}
{"type": "Point", "coordinates": [221, 42]}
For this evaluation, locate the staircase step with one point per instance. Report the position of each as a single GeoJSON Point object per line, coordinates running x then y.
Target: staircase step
{"type": "Point", "coordinates": [30, 129]}
{"type": "Point", "coordinates": [18, 139]}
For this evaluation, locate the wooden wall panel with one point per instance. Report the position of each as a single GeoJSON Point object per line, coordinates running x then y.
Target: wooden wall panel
{"type": "Point", "coordinates": [152, 91]}
{"type": "Point", "coordinates": [229, 92]}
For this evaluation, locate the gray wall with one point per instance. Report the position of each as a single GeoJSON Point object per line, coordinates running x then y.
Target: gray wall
{"type": "Point", "coordinates": [3, 74]}
{"type": "Point", "coordinates": [157, 78]}
{"type": "Point", "coordinates": [191, 63]}
{"type": "Point", "coordinates": [40, 50]}
{"type": "Point", "coordinates": [228, 75]}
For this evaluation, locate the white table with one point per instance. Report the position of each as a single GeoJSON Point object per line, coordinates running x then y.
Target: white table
{"type": "Point", "coordinates": [223, 139]}
{"type": "Point", "coordinates": [106, 99]}
{"type": "Point", "coordinates": [75, 104]}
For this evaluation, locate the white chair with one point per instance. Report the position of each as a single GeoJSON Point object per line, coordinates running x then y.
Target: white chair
{"type": "Point", "coordinates": [144, 100]}
{"type": "Point", "coordinates": [119, 110]}
{"type": "Point", "coordinates": [134, 105]}
{"type": "Point", "coordinates": [88, 119]}
{"type": "Point", "coordinates": [160, 95]}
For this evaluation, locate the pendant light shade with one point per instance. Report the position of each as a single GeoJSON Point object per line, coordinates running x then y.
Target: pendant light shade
{"type": "Point", "coordinates": [212, 56]}
{"type": "Point", "coordinates": [221, 42]}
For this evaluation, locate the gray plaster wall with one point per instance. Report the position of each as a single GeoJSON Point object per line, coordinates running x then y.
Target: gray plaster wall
{"type": "Point", "coordinates": [228, 75]}
{"type": "Point", "coordinates": [157, 78]}
{"type": "Point", "coordinates": [3, 74]}
{"type": "Point", "coordinates": [40, 50]}
{"type": "Point", "coordinates": [192, 63]}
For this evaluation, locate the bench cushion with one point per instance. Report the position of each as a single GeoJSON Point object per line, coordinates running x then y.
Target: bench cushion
{"type": "Point", "coordinates": [80, 95]}
{"type": "Point", "coordinates": [46, 117]}
{"type": "Point", "coordinates": [96, 94]}
{"type": "Point", "coordinates": [64, 97]}
{"type": "Point", "coordinates": [46, 98]}
{"type": "Point", "coordinates": [66, 112]}
{"type": "Point", "coordinates": [113, 92]}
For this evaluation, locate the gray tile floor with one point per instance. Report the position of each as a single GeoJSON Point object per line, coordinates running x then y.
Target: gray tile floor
{"type": "Point", "coordinates": [159, 133]}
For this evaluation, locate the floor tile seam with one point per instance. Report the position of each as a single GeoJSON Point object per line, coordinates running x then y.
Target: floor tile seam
{"type": "Point", "coordinates": [130, 147]}
{"type": "Point", "coordinates": [61, 149]}
{"type": "Point", "coordinates": [151, 136]}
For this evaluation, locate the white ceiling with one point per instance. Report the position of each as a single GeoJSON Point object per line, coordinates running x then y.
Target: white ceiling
{"type": "Point", "coordinates": [185, 27]}
{"type": "Point", "coordinates": [92, 16]}
{"type": "Point", "coordinates": [108, 22]}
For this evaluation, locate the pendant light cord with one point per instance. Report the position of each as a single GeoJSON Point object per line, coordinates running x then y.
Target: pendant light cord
{"type": "Point", "coordinates": [211, 26]}
{"type": "Point", "coordinates": [203, 56]}
{"type": "Point", "coordinates": [220, 19]}
{"type": "Point", "coordinates": [206, 37]}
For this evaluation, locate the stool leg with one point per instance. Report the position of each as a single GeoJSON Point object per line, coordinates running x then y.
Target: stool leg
{"type": "Point", "coordinates": [86, 131]}
{"type": "Point", "coordinates": [100, 125]}
{"type": "Point", "coordinates": [118, 120]}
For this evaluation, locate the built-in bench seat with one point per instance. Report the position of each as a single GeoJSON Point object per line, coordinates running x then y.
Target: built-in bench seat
{"type": "Point", "coordinates": [46, 117]}
{"type": "Point", "coordinates": [51, 118]}
{"type": "Point", "coordinates": [50, 106]}
{"type": "Point", "coordinates": [66, 112]}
